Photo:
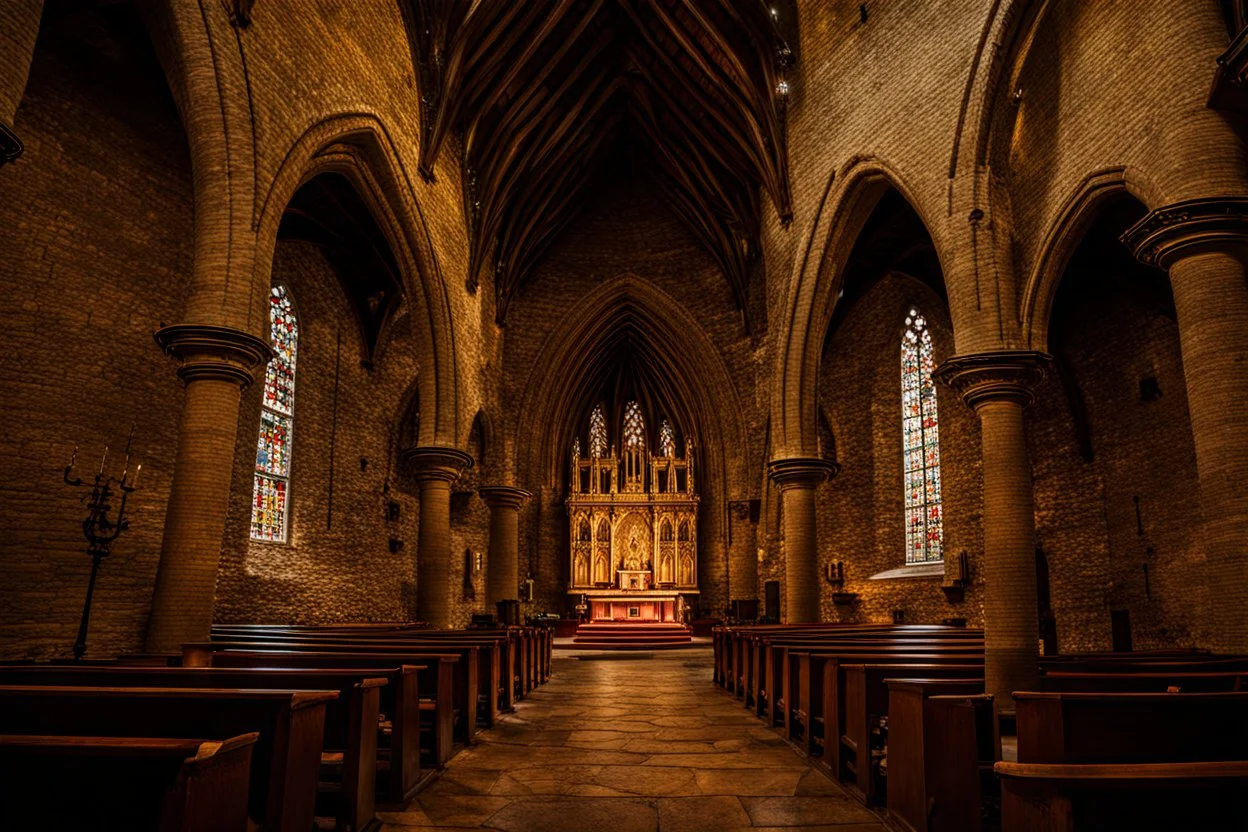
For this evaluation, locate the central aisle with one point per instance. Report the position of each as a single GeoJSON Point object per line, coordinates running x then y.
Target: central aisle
{"type": "Point", "coordinates": [630, 743]}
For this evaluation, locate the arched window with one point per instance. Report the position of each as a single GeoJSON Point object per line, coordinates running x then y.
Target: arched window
{"type": "Point", "coordinates": [597, 433]}
{"type": "Point", "coordinates": [667, 439]}
{"type": "Point", "coordinates": [271, 491]}
{"type": "Point", "coordinates": [634, 427]}
{"type": "Point", "coordinates": [920, 443]}
{"type": "Point", "coordinates": [576, 448]}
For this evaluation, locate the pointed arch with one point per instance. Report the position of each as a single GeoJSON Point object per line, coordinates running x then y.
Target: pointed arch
{"type": "Point", "coordinates": [1078, 212]}
{"type": "Point", "coordinates": [814, 291]}
{"type": "Point", "coordinates": [359, 147]}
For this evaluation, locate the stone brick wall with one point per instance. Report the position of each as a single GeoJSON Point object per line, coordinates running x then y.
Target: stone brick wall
{"type": "Point", "coordinates": [95, 253]}
{"type": "Point", "coordinates": [337, 564]}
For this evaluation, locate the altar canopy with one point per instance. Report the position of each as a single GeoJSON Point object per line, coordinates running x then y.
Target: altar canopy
{"type": "Point", "coordinates": [633, 523]}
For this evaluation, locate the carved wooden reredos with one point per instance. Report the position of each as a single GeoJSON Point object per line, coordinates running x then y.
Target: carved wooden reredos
{"type": "Point", "coordinates": [632, 508]}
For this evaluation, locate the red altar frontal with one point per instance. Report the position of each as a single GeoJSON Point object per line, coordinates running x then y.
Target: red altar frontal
{"type": "Point", "coordinates": [636, 606]}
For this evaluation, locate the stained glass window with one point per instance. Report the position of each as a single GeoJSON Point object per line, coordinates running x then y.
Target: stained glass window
{"type": "Point", "coordinates": [576, 448]}
{"type": "Point", "coordinates": [920, 443]}
{"type": "Point", "coordinates": [271, 488]}
{"type": "Point", "coordinates": [634, 427]}
{"type": "Point", "coordinates": [597, 433]}
{"type": "Point", "coordinates": [667, 439]}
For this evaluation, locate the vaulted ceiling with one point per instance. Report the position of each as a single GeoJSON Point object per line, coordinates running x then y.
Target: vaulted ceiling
{"type": "Point", "coordinates": [547, 95]}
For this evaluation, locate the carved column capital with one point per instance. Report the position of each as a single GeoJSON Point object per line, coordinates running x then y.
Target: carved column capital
{"type": "Point", "coordinates": [436, 464]}
{"type": "Point", "coordinates": [10, 145]}
{"type": "Point", "coordinates": [503, 496]}
{"type": "Point", "coordinates": [1001, 375]}
{"type": "Point", "coordinates": [801, 472]}
{"type": "Point", "coordinates": [215, 353]}
{"type": "Point", "coordinates": [1189, 227]}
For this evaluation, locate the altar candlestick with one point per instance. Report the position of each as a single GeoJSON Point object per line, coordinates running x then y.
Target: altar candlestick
{"type": "Point", "coordinates": [73, 457]}
{"type": "Point", "coordinates": [134, 483]}
{"type": "Point", "coordinates": [103, 459]}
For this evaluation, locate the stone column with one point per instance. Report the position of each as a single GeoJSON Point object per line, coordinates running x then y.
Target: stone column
{"type": "Point", "coordinates": [797, 479]}
{"type": "Point", "coordinates": [435, 469]}
{"type": "Point", "coordinates": [1204, 245]}
{"type": "Point", "coordinates": [502, 582]}
{"type": "Point", "coordinates": [19, 28]}
{"type": "Point", "coordinates": [998, 386]}
{"type": "Point", "coordinates": [217, 364]}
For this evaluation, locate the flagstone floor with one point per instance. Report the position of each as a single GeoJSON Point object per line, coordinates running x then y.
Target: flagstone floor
{"type": "Point", "coordinates": [626, 743]}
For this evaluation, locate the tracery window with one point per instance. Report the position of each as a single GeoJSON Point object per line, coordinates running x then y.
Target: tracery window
{"type": "Point", "coordinates": [576, 448]}
{"type": "Point", "coordinates": [597, 433]}
{"type": "Point", "coordinates": [920, 443]}
{"type": "Point", "coordinates": [634, 427]}
{"type": "Point", "coordinates": [271, 488]}
{"type": "Point", "coordinates": [667, 439]}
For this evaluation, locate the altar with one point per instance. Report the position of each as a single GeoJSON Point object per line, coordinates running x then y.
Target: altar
{"type": "Point", "coordinates": [632, 523]}
{"type": "Point", "coordinates": [628, 605]}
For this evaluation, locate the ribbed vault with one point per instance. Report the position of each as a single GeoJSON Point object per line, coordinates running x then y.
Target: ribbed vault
{"type": "Point", "coordinates": [547, 94]}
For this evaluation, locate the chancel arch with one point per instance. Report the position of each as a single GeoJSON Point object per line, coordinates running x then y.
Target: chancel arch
{"type": "Point", "coordinates": [628, 341]}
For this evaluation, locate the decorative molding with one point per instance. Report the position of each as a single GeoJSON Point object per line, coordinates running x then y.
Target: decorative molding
{"type": "Point", "coordinates": [436, 463]}
{"type": "Point", "coordinates": [10, 145]}
{"type": "Point", "coordinates": [801, 472]}
{"type": "Point", "coordinates": [1176, 230]}
{"type": "Point", "coordinates": [215, 353]}
{"type": "Point", "coordinates": [1001, 375]}
{"type": "Point", "coordinates": [503, 496]}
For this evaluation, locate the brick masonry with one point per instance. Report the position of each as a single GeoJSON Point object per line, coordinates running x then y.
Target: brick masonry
{"type": "Point", "coordinates": [97, 224]}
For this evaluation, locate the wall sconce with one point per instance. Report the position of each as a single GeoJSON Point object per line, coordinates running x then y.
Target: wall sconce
{"type": "Point", "coordinates": [396, 545]}
{"type": "Point", "coordinates": [393, 511]}
{"type": "Point", "coordinates": [834, 573]}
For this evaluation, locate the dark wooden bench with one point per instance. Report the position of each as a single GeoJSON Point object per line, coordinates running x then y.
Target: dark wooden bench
{"type": "Point", "coordinates": [1156, 797]}
{"type": "Point", "coordinates": [1078, 728]}
{"type": "Point", "coordinates": [349, 755]}
{"type": "Point", "coordinates": [131, 783]}
{"type": "Point", "coordinates": [941, 749]}
{"type": "Point", "coordinates": [424, 729]}
{"type": "Point", "coordinates": [1070, 681]}
{"type": "Point", "coordinates": [286, 759]}
{"type": "Point", "coordinates": [867, 703]}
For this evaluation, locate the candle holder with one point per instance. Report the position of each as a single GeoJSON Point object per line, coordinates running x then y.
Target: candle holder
{"type": "Point", "coordinates": [98, 528]}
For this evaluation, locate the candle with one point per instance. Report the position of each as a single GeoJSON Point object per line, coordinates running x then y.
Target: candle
{"type": "Point", "coordinates": [134, 483]}
{"type": "Point", "coordinates": [103, 459]}
{"type": "Point", "coordinates": [73, 457]}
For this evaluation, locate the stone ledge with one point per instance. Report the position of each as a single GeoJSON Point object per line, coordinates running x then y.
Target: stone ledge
{"type": "Point", "coordinates": [935, 569]}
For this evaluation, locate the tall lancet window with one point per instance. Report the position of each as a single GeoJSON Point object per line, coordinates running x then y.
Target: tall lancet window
{"type": "Point", "coordinates": [634, 428]}
{"type": "Point", "coordinates": [597, 433]}
{"type": "Point", "coordinates": [920, 443]}
{"type": "Point", "coordinates": [667, 439]}
{"type": "Point", "coordinates": [271, 490]}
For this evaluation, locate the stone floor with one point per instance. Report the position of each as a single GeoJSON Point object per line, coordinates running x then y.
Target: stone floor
{"type": "Point", "coordinates": [631, 743]}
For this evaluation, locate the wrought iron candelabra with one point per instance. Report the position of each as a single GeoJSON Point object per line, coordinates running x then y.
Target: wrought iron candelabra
{"type": "Point", "coordinates": [99, 528]}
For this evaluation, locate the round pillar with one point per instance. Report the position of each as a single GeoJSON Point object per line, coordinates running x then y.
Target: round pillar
{"type": "Point", "coordinates": [797, 479]}
{"type": "Point", "coordinates": [435, 469]}
{"type": "Point", "coordinates": [998, 386]}
{"type": "Point", "coordinates": [1204, 245]}
{"type": "Point", "coordinates": [502, 581]}
{"type": "Point", "coordinates": [217, 365]}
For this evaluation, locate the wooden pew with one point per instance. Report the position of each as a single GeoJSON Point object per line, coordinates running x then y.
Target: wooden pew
{"type": "Point", "coordinates": [463, 672]}
{"type": "Point", "coordinates": [866, 703]}
{"type": "Point", "coordinates": [941, 749]}
{"type": "Point", "coordinates": [504, 654]}
{"type": "Point", "coordinates": [1065, 681]}
{"type": "Point", "coordinates": [1145, 797]}
{"type": "Point", "coordinates": [480, 676]}
{"type": "Point", "coordinates": [434, 707]}
{"type": "Point", "coordinates": [1078, 728]}
{"type": "Point", "coordinates": [349, 753]}
{"type": "Point", "coordinates": [286, 758]}
{"type": "Point", "coordinates": [133, 783]}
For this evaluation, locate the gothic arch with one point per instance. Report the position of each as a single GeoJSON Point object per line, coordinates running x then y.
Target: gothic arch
{"type": "Point", "coordinates": [843, 211]}
{"type": "Point", "coordinates": [1078, 212]}
{"type": "Point", "coordinates": [358, 147]}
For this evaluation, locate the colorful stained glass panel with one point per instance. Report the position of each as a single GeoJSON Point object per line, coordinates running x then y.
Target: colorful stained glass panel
{"type": "Point", "coordinates": [270, 493]}
{"type": "Point", "coordinates": [920, 444]}
{"type": "Point", "coordinates": [597, 433]}
{"type": "Point", "coordinates": [268, 509]}
{"type": "Point", "coordinates": [634, 426]}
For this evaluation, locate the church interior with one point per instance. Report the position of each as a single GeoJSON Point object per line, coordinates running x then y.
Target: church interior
{"type": "Point", "coordinates": [641, 415]}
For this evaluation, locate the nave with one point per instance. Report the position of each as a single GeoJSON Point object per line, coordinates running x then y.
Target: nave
{"type": "Point", "coordinates": [632, 743]}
